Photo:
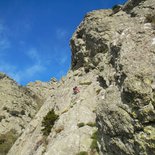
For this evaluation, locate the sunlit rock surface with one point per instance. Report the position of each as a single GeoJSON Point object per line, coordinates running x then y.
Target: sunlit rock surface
{"type": "Point", "coordinates": [113, 65]}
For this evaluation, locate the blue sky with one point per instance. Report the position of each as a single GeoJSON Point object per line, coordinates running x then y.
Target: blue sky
{"type": "Point", "coordinates": [35, 34]}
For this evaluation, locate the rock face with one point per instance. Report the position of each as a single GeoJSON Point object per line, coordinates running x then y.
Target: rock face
{"type": "Point", "coordinates": [18, 105]}
{"type": "Point", "coordinates": [113, 65]}
{"type": "Point", "coordinates": [121, 48]}
{"type": "Point", "coordinates": [72, 132]}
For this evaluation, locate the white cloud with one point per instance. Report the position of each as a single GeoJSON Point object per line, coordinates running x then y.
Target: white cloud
{"type": "Point", "coordinates": [33, 70]}
{"type": "Point", "coordinates": [4, 40]}
{"type": "Point", "coordinates": [63, 60]}
{"type": "Point", "coordinates": [4, 44]}
{"type": "Point", "coordinates": [38, 65]}
{"type": "Point", "coordinates": [25, 74]}
{"type": "Point", "coordinates": [61, 33]}
{"type": "Point", "coordinates": [60, 73]}
{"type": "Point", "coordinates": [1, 28]}
{"type": "Point", "coordinates": [10, 70]}
{"type": "Point", "coordinates": [61, 55]}
{"type": "Point", "coordinates": [21, 75]}
{"type": "Point", "coordinates": [34, 55]}
{"type": "Point", "coordinates": [16, 76]}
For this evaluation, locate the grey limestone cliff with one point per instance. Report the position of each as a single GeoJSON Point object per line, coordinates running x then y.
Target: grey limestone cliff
{"type": "Point", "coordinates": [18, 105]}
{"type": "Point", "coordinates": [113, 64]}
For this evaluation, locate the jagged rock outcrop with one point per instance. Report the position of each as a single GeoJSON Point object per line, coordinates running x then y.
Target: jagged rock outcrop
{"type": "Point", "coordinates": [42, 89]}
{"type": "Point", "coordinates": [113, 64]}
{"type": "Point", "coordinates": [18, 105]}
{"type": "Point", "coordinates": [121, 47]}
{"type": "Point", "coordinates": [72, 132]}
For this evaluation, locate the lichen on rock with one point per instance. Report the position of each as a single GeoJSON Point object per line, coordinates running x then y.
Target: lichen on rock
{"type": "Point", "coordinates": [113, 65]}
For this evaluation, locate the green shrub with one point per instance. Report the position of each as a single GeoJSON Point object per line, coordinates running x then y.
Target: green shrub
{"type": "Point", "coordinates": [80, 124]}
{"type": "Point", "coordinates": [94, 145]}
{"type": "Point", "coordinates": [48, 122]}
{"type": "Point", "coordinates": [91, 124]}
{"type": "Point", "coordinates": [6, 141]}
{"type": "Point", "coordinates": [95, 135]}
{"type": "Point", "coordinates": [82, 153]}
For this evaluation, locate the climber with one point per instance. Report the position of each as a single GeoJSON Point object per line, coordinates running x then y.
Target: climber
{"type": "Point", "coordinates": [76, 90]}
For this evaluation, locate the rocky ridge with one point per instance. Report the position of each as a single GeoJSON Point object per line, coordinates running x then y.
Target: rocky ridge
{"type": "Point", "coordinates": [72, 132]}
{"type": "Point", "coordinates": [113, 64]}
{"type": "Point", "coordinates": [121, 47]}
{"type": "Point", "coordinates": [18, 105]}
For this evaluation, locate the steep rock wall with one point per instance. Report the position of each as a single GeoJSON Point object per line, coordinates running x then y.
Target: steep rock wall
{"type": "Point", "coordinates": [72, 132]}
{"type": "Point", "coordinates": [120, 46]}
{"type": "Point", "coordinates": [113, 64]}
{"type": "Point", "coordinates": [18, 105]}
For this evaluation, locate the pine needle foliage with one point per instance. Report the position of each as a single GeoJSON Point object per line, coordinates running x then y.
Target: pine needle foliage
{"type": "Point", "coordinates": [48, 122]}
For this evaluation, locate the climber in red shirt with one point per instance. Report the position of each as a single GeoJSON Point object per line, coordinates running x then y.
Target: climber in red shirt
{"type": "Point", "coordinates": [76, 90]}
